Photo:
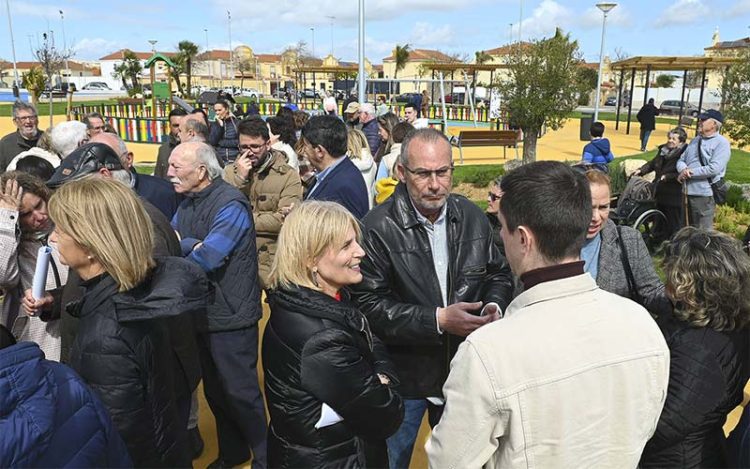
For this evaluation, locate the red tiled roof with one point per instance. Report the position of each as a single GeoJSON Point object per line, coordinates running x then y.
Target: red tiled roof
{"type": "Point", "coordinates": [72, 65]}
{"type": "Point", "coordinates": [268, 57]}
{"type": "Point", "coordinates": [423, 54]}
{"type": "Point", "coordinates": [118, 55]}
{"type": "Point", "coordinates": [214, 54]}
{"type": "Point", "coordinates": [505, 50]}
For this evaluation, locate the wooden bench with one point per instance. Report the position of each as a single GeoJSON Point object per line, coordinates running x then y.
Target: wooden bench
{"type": "Point", "coordinates": [487, 138]}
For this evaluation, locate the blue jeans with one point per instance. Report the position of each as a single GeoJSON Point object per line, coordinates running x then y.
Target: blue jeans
{"type": "Point", "coordinates": [401, 443]}
{"type": "Point", "coordinates": [645, 134]}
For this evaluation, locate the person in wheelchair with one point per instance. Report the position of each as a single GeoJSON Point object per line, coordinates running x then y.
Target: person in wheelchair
{"type": "Point", "coordinates": [667, 190]}
{"type": "Point", "coordinates": [616, 256]}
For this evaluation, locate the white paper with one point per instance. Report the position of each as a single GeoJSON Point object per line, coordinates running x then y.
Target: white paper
{"type": "Point", "coordinates": [40, 274]}
{"type": "Point", "coordinates": [328, 417]}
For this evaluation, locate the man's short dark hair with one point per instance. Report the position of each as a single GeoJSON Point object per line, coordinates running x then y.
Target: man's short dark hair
{"type": "Point", "coordinates": [400, 131]}
{"type": "Point", "coordinates": [178, 111]}
{"type": "Point", "coordinates": [553, 201]}
{"type": "Point", "coordinates": [327, 131]}
{"type": "Point", "coordinates": [411, 105]}
{"type": "Point", "coordinates": [596, 129]}
{"type": "Point", "coordinates": [91, 115]}
{"type": "Point", "coordinates": [202, 113]}
{"type": "Point", "coordinates": [253, 128]}
{"type": "Point", "coordinates": [36, 166]}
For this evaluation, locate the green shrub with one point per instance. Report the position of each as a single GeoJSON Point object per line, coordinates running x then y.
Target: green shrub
{"type": "Point", "coordinates": [617, 177]}
{"type": "Point", "coordinates": [477, 175]}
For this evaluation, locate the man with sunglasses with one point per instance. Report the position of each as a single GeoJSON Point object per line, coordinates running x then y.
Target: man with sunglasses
{"type": "Point", "coordinates": [271, 185]}
{"type": "Point", "coordinates": [24, 138]}
{"type": "Point", "coordinates": [432, 275]}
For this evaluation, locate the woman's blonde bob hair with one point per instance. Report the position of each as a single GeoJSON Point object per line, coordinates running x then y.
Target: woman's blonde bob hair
{"type": "Point", "coordinates": [356, 142]}
{"type": "Point", "coordinates": [108, 221]}
{"type": "Point", "coordinates": [310, 230]}
{"type": "Point", "coordinates": [708, 279]}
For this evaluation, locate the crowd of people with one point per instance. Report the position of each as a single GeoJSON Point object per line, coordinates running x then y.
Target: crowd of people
{"type": "Point", "coordinates": [537, 332]}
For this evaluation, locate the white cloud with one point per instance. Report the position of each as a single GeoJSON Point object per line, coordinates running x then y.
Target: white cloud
{"type": "Point", "coordinates": [741, 7]}
{"type": "Point", "coordinates": [427, 35]}
{"type": "Point", "coordinates": [683, 12]}
{"type": "Point", "coordinates": [94, 48]}
{"type": "Point", "coordinates": [545, 18]}
{"type": "Point", "coordinates": [619, 16]}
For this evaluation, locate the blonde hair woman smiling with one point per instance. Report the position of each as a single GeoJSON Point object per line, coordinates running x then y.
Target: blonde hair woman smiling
{"type": "Point", "coordinates": [122, 348]}
{"type": "Point", "coordinates": [319, 356]}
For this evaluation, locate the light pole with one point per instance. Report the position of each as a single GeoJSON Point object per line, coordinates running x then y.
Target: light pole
{"type": "Point", "coordinates": [361, 68]}
{"type": "Point", "coordinates": [313, 41]}
{"type": "Point", "coordinates": [231, 54]}
{"type": "Point", "coordinates": [208, 59]}
{"type": "Point", "coordinates": [17, 82]}
{"type": "Point", "coordinates": [331, 18]}
{"type": "Point", "coordinates": [605, 8]}
{"type": "Point", "coordinates": [153, 45]}
{"type": "Point", "coordinates": [65, 46]}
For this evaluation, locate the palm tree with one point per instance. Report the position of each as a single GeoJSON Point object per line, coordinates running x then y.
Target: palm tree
{"type": "Point", "coordinates": [132, 67]}
{"type": "Point", "coordinates": [481, 57]}
{"type": "Point", "coordinates": [401, 55]}
{"type": "Point", "coordinates": [187, 52]}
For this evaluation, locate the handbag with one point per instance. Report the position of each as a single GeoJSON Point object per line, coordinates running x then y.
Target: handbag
{"type": "Point", "coordinates": [719, 187]}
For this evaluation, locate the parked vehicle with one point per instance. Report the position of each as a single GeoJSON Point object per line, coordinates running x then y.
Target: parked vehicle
{"type": "Point", "coordinates": [96, 85]}
{"type": "Point", "coordinates": [407, 98]}
{"type": "Point", "coordinates": [673, 107]}
{"type": "Point", "coordinates": [611, 101]}
{"type": "Point", "coordinates": [309, 93]}
{"type": "Point", "coordinates": [250, 93]}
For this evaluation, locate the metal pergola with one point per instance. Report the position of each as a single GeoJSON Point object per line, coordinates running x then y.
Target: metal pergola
{"type": "Point", "coordinates": [651, 63]}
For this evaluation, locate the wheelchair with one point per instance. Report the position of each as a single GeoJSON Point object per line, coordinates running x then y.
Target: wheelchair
{"type": "Point", "coordinates": [636, 207]}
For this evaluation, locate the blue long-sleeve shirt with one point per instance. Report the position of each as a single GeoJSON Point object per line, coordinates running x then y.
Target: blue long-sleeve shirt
{"type": "Point", "coordinates": [231, 223]}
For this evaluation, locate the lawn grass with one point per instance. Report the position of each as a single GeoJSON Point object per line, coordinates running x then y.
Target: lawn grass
{"type": "Point", "coordinates": [610, 116]}
{"type": "Point", "coordinates": [59, 106]}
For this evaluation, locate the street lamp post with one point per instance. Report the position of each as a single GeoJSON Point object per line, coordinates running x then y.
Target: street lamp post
{"type": "Point", "coordinates": [312, 30]}
{"type": "Point", "coordinates": [605, 8]}
{"type": "Point", "coordinates": [361, 54]}
{"type": "Point", "coordinates": [65, 46]}
{"type": "Point", "coordinates": [208, 60]}
{"type": "Point", "coordinates": [331, 18]}
{"type": "Point", "coordinates": [17, 82]}
{"type": "Point", "coordinates": [231, 54]}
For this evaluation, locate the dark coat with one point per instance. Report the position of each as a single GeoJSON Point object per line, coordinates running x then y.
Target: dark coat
{"type": "Point", "coordinates": [162, 158]}
{"type": "Point", "coordinates": [345, 185]}
{"type": "Point", "coordinates": [668, 191]}
{"type": "Point", "coordinates": [157, 192]}
{"type": "Point", "coordinates": [318, 350]}
{"type": "Point", "coordinates": [50, 418]}
{"type": "Point", "coordinates": [647, 116]}
{"type": "Point", "coordinates": [370, 129]}
{"type": "Point", "coordinates": [401, 292]}
{"type": "Point", "coordinates": [708, 370]}
{"type": "Point", "coordinates": [12, 145]}
{"type": "Point", "coordinates": [225, 139]}
{"type": "Point", "coordinates": [123, 350]}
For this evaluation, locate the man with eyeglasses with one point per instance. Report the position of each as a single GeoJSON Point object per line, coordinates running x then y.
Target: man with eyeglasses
{"type": "Point", "coordinates": [94, 123]}
{"type": "Point", "coordinates": [432, 275]}
{"type": "Point", "coordinates": [271, 185]}
{"type": "Point", "coordinates": [24, 138]}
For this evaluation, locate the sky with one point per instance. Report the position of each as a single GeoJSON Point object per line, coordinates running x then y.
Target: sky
{"type": "Point", "coordinates": [635, 27]}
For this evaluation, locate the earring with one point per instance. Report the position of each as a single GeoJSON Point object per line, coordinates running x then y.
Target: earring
{"type": "Point", "coordinates": [315, 277]}
{"type": "Point", "coordinates": [90, 257]}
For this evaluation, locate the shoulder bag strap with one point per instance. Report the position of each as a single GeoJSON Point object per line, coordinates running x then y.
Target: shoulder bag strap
{"type": "Point", "coordinates": [632, 287]}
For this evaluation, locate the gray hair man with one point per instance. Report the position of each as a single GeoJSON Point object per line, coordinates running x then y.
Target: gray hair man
{"type": "Point", "coordinates": [367, 117]}
{"type": "Point", "coordinates": [553, 366]}
{"type": "Point", "coordinates": [157, 191]}
{"type": "Point", "coordinates": [24, 138]}
{"type": "Point", "coordinates": [217, 233]}
{"type": "Point", "coordinates": [67, 136]}
{"type": "Point", "coordinates": [432, 275]}
{"type": "Point", "coordinates": [193, 128]}
{"type": "Point", "coordinates": [704, 162]}
{"type": "Point", "coordinates": [94, 123]}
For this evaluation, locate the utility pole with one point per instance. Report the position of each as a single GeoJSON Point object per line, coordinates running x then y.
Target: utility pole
{"type": "Point", "coordinates": [17, 82]}
{"type": "Point", "coordinates": [313, 41]}
{"type": "Point", "coordinates": [231, 51]}
{"type": "Point", "coordinates": [65, 46]}
{"type": "Point", "coordinates": [361, 69]}
{"type": "Point", "coordinates": [331, 18]}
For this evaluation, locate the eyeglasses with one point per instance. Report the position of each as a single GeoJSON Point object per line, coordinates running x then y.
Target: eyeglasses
{"type": "Point", "coordinates": [253, 147]}
{"type": "Point", "coordinates": [424, 174]}
{"type": "Point", "coordinates": [26, 118]}
{"type": "Point", "coordinates": [493, 197]}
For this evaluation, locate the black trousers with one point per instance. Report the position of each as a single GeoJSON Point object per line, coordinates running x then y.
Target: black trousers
{"type": "Point", "coordinates": [230, 381]}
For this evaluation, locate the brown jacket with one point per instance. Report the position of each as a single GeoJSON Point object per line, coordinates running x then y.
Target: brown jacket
{"type": "Point", "coordinates": [269, 188]}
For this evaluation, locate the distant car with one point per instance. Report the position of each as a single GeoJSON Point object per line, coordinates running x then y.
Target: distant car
{"type": "Point", "coordinates": [673, 107]}
{"type": "Point", "coordinates": [250, 93]}
{"type": "Point", "coordinates": [96, 85]}
{"type": "Point", "coordinates": [309, 93]}
{"type": "Point", "coordinates": [611, 101]}
{"type": "Point", "coordinates": [407, 98]}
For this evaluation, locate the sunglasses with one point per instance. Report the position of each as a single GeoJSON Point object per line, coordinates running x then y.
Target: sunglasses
{"type": "Point", "coordinates": [493, 197]}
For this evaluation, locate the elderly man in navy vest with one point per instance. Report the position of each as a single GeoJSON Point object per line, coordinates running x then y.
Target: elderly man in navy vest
{"type": "Point", "coordinates": [217, 233]}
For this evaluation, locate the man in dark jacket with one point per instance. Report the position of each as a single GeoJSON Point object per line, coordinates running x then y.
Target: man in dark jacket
{"type": "Point", "coordinates": [42, 400]}
{"type": "Point", "coordinates": [24, 138]}
{"type": "Point", "coordinates": [217, 233]}
{"type": "Point", "coordinates": [157, 191]}
{"type": "Point", "coordinates": [336, 178]}
{"type": "Point", "coordinates": [168, 144]}
{"type": "Point", "coordinates": [432, 275]}
{"type": "Point", "coordinates": [647, 117]}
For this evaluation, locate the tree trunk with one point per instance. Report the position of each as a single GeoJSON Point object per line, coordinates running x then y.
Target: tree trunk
{"type": "Point", "coordinates": [529, 144]}
{"type": "Point", "coordinates": [189, 77]}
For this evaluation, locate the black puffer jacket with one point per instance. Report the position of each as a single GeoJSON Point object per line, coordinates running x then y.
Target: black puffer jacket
{"type": "Point", "coordinates": [708, 370]}
{"type": "Point", "coordinates": [318, 350]}
{"type": "Point", "coordinates": [123, 351]}
{"type": "Point", "coordinates": [400, 291]}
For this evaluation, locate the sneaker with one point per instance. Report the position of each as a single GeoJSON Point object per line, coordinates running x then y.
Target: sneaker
{"type": "Point", "coordinates": [195, 442]}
